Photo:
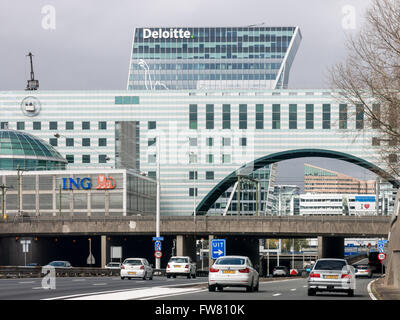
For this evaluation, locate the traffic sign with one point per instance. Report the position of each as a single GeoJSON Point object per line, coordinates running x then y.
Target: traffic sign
{"type": "Point", "coordinates": [218, 248]}
{"type": "Point", "coordinates": [158, 254]}
{"type": "Point", "coordinates": [157, 246]}
{"type": "Point", "coordinates": [381, 256]}
{"type": "Point", "coordinates": [158, 238]}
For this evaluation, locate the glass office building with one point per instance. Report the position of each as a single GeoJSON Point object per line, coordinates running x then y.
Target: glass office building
{"type": "Point", "coordinates": [212, 58]}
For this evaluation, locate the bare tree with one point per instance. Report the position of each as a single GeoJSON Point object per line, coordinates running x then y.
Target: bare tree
{"type": "Point", "coordinates": [369, 79]}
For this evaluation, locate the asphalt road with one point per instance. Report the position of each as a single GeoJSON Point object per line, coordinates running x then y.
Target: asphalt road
{"type": "Point", "coordinates": [160, 288]}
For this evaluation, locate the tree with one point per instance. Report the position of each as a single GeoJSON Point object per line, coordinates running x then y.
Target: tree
{"type": "Point", "coordinates": [369, 79]}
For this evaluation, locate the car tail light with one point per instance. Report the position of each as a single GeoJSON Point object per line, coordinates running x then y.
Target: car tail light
{"type": "Point", "coordinates": [245, 270]}
{"type": "Point", "coordinates": [346, 276]}
{"type": "Point", "coordinates": [187, 266]}
{"type": "Point", "coordinates": [213, 270]}
{"type": "Point", "coordinates": [141, 267]}
{"type": "Point", "coordinates": [168, 266]}
{"type": "Point", "coordinates": [122, 267]}
{"type": "Point", "coordinates": [314, 275]}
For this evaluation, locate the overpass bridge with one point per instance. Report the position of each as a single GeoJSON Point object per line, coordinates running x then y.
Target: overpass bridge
{"type": "Point", "coordinates": [54, 238]}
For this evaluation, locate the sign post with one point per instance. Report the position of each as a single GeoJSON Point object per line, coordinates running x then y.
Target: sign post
{"type": "Point", "coordinates": [25, 247]}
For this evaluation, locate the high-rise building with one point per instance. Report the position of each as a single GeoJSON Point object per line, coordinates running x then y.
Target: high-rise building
{"type": "Point", "coordinates": [252, 57]}
{"type": "Point", "coordinates": [319, 180]}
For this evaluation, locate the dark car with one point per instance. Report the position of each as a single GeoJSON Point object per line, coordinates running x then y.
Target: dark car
{"type": "Point", "coordinates": [374, 263]}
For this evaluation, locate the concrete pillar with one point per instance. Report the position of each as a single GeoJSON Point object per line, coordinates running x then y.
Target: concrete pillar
{"type": "Point", "coordinates": [331, 247]}
{"type": "Point", "coordinates": [210, 261]}
{"type": "Point", "coordinates": [186, 246]}
{"type": "Point", "coordinates": [103, 251]}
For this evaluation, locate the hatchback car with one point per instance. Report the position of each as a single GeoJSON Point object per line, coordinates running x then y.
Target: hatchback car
{"type": "Point", "coordinates": [180, 266]}
{"type": "Point", "coordinates": [136, 268]}
{"type": "Point", "coordinates": [233, 271]}
{"type": "Point", "coordinates": [362, 270]}
{"type": "Point", "coordinates": [331, 275]}
{"type": "Point", "coordinates": [281, 271]}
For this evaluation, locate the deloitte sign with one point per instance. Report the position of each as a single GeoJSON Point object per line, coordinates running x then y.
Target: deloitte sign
{"type": "Point", "coordinates": [166, 34]}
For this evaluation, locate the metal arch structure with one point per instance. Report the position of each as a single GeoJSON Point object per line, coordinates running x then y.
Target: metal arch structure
{"type": "Point", "coordinates": [212, 196]}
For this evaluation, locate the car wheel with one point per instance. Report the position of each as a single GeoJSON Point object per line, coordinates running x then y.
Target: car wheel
{"type": "Point", "coordinates": [350, 293]}
{"type": "Point", "coordinates": [168, 276]}
{"type": "Point", "coordinates": [122, 278]}
{"type": "Point", "coordinates": [174, 276]}
{"type": "Point", "coordinates": [220, 288]}
{"type": "Point", "coordinates": [144, 277]}
{"type": "Point", "coordinates": [311, 292]}
{"type": "Point", "coordinates": [257, 286]}
{"type": "Point", "coordinates": [250, 287]}
{"type": "Point", "coordinates": [211, 288]}
{"type": "Point", "coordinates": [151, 277]}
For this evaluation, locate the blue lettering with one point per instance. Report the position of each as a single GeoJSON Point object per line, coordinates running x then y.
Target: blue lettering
{"type": "Point", "coordinates": [64, 183]}
{"type": "Point", "coordinates": [73, 182]}
{"type": "Point", "coordinates": [88, 184]}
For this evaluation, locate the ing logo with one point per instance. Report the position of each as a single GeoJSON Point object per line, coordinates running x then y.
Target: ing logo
{"type": "Point", "coordinates": [105, 183]}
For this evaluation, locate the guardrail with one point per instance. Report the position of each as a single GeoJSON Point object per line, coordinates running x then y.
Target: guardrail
{"type": "Point", "coordinates": [36, 272]}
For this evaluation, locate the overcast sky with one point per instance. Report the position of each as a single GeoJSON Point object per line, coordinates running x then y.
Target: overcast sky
{"type": "Point", "coordinates": [90, 46]}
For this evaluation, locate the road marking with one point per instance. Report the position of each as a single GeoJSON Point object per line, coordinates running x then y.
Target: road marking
{"type": "Point", "coordinates": [79, 280]}
{"type": "Point", "coordinates": [100, 284]}
{"type": "Point", "coordinates": [293, 289]}
{"type": "Point", "coordinates": [276, 294]}
{"type": "Point", "coordinates": [23, 282]}
{"type": "Point", "coordinates": [371, 295]}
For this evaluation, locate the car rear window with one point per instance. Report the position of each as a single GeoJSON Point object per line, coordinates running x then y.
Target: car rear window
{"type": "Point", "coordinates": [179, 260]}
{"type": "Point", "coordinates": [362, 267]}
{"type": "Point", "coordinates": [280, 268]}
{"type": "Point", "coordinates": [57, 264]}
{"type": "Point", "coordinates": [330, 265]}
{"type": "Point", "coordinates": [133, 262]}
{"type": "Point", "coordinates": [233, 261]}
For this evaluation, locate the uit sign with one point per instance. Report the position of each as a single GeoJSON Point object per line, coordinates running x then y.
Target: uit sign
{"type": "Point", "coordinates": [103, 183]}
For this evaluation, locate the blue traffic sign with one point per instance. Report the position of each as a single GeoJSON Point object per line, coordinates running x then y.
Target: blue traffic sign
{"type": "Point", "coordinates": [218, 248]}
{"type": "Point", "coordinates": [158, 238]}
{"type": "Point", "coordinates": [157, 246]}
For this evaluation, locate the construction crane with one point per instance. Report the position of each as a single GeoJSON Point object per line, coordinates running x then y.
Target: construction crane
{"type": "Point", "coordinates": [32, 83]}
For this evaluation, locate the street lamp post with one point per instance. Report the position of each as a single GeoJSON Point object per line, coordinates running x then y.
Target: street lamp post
{"type": "Point", "coordinates": [158, 262]}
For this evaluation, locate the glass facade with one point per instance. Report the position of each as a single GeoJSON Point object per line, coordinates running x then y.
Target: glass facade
{"type": "Point", "coordinates": [211, 58]}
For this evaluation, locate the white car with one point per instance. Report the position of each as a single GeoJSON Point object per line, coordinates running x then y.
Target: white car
{"type": "Point", "coordinates": [113, 265]}
{"type": "Point", "coordinates": [332, 275]}
{"type": "Point", "coordinates": [136, 268]}
{"type": "Point", "coordinates": [233, 271]}
{"type": "Point", "coordinates": [180, 266]}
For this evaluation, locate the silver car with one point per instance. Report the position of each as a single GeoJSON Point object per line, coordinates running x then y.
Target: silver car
{"type": "Point", "coordinates": [233, 271]}
{"type": "Point", "coordinates": [136, 268]}
{"type": "Point", "coordinates": [332, 275]}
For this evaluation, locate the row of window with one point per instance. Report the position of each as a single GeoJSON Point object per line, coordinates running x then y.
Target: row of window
{"type": "Point", "coordinates": [54, 125]}
{"type": "Point", "coordinates": [86, 142]}
{"type": "Point", "coordinates": [207, 76]}
{"type": "Point", "coordinates": [86, 158]}
{"type": "Point", "coordinates": [208, 66]}
{"type": "Point", "coordinates": [276, 116]}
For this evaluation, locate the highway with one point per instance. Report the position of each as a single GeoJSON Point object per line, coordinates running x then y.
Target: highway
{"type": "Point", "coordinates": [113, 288]}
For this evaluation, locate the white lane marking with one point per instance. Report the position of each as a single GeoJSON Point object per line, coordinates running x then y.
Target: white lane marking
{"type": "Point", "coordinates": [100, 284]}
{"type": "Point", "coordinates": [79, 280]}
{"type": "Point", "coordinates": [294, 289]}
{"type": "Point", "coordinates": [276, 294]}
{"type": "Point", "coordinates": [23, 282]}
{"type": "Point", "coordinates": [174, 294]}
{"type": "Point", "coordinates": [371, 295]}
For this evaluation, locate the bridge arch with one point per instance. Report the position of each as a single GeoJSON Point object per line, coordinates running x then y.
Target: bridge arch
{"type": "Point", "coordinates": [228, 181]}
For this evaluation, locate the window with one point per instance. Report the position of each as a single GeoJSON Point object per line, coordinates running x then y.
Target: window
{"type": "Point", "coordinates": [226, 116]}
{"type": "Point", "coordinates": [309, 116]}
{"type": "Point", "coordinates": [85, 125]}
{"type": "Point", "coordinates": [37, 125]}
{"type": "Point", "coordinates": [209, 175]}
{"type": "Point", "coordinates": [259, 116]}
{"type": "Point", "coordinates": [292, 116]}
{"type": "Point", "coordinates": [53, 142]}
{"type": "Point", "coordinates": [376, 110]}
{"type": "Point", "coordinates": [151, 141]}
{"type": "Point", "coordinates": [193, 116]}
{"type": "Point", "coordinates": [85, 142]}
{"type": "Point", "coordinates": [53, 125]}
{"type": "Point", "coordinates": [326, 116]}
{"type": "Point", "coordinates": [21, 125]}
{"type": "Point", "coordinates": [102, 125]}
{"type": "Point", "coordinates": [226, 158]}
{"type": "Point", "coordinates": [276, 116]}
{"type": "Point", "coordinates": [243, 142]}
{"type": "Point", "coordinates": [193, 175]}
{"type": "Point", "coordinates": [192, 192]}
{"type": "Point", "coordinates": [102, 142]}
{"type": "Point", "coordinates": [152, 158]}
{"type": "Point", "coordinates": [226, 142]}
{"type": "Point", "coordinates": [210, 142]}
{"type": "Point", "coordinates": [209, 116]}
{"type": "Point", "coordinates": [4, 125]}
{"type": "Point", "coordinates": [342, 116]}
{"type": "Point", "coordinates": [192, 158]}
{"type": "Point", "coordinates": [69, 142]}
{"type": "Point", "coordinates": [193, 142]}
{"type": "Point", "coordinates": [69, 125]}
{"type": "Point", "coordinates": [210, 158]}
{"type": "Point", "coordinates": [152, 174]}
{"type": "Point", "coordinates": [102, 158]}
{"type": "Point", "coordinates": [151, 125]}
{"type": "Point", "coordinates": [70, 158]}
{"type": "Point", "coordinates": [126, 100]}
{"type": "Point", "coordinates": [243, 116]}
{"type": "Point", "coordinates": [359, 117]}
{"type": "Point", "coordinates": [86, 158]}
